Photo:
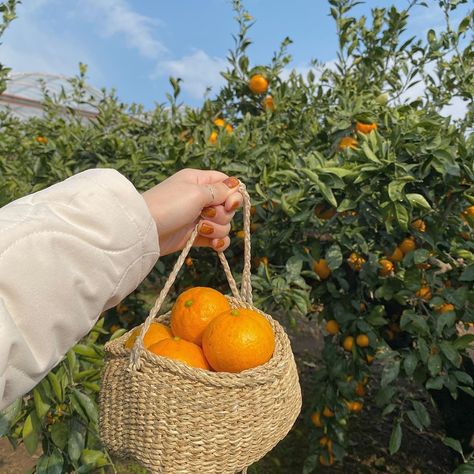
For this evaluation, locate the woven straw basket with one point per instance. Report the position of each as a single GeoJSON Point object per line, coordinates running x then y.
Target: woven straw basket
{"type": "Point", "coordinates": [175, 419]}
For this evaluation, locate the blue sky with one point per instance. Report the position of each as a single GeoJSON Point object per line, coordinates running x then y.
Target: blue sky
{"type": "Point", "coordinates": [135, 45]}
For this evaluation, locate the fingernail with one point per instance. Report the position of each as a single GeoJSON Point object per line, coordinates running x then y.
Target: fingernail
{"type": "Point", "coordinates": [231, 182]}
{"type": "Point", "coordinates": [220, 243]}
{"type": "Point", "coordinates": [235, 206]}
{"type": "Point", "coordinates": [206, 229]}
{"type": "Point", "coordinates": [209, 212]}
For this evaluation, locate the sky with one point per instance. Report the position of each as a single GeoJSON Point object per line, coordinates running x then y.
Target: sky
{"type": "Point", "coordinates": [134, 46]}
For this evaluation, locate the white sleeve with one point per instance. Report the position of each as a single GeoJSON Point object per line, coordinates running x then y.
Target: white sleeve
{"type": "Point", "coordinates": [67, 253]}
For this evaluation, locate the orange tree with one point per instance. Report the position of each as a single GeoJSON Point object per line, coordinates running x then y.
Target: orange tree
{"type": "Point", "coordinates": [362, 218]}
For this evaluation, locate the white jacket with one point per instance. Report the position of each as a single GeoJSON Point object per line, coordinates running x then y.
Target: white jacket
{"type": "Point", "coordinates": [67, 253]}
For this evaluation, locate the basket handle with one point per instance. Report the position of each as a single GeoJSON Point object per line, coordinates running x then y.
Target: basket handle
{"type": "Point", "coordinates": [246, 286]}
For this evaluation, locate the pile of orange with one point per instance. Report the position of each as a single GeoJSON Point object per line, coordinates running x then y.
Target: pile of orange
{"type": "Point", "coordinates": [207, 333]}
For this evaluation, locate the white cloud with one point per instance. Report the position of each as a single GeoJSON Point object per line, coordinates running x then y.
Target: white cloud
{"type": "Point", "coordinates": [198, 71]}
{"type": "Point", "coordinates": [117, 18]}
{"type": "Point", "coordinates": [29, 45]}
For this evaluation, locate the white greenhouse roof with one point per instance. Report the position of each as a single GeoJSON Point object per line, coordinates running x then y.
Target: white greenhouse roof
{"type": "Point", "coordinates": [25, 93]}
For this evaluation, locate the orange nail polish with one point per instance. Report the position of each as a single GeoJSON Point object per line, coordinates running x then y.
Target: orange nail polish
{"type": "Point", "coordinates": [235, 206]}
{"type": "Point", "coordinates": [206, 229]}
{"type": "Point", "coordinates": [231, 182]}
{"type": "Point", "coordinates": [220, 243]}
{"type": "Point", "coordinates": [209, 212]}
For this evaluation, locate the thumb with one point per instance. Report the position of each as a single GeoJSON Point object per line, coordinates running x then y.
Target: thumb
{"type": "Point", "coordinates": [217, 193]}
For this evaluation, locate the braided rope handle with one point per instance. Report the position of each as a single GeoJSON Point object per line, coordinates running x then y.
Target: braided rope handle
{"type": "Point", "coordinates": [246, 286]}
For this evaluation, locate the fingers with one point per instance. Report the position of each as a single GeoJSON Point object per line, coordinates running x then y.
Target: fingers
{"type": "Point", "coordinates": [233, 202]}
{"type": "Point", "coordinates": [211, 230]}
{"type": "Point", "coordinates": [218, 193]}
{"type": "Point", "coordinates": [217, 214]}
{"type": "Point", "coordinates": [217, 244]}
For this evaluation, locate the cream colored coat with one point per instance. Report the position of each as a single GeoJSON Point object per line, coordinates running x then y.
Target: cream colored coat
{"type": "Point", "coordinates": [67, 253]}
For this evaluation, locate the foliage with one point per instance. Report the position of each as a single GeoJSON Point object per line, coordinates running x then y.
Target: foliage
{"type": "Point", "coordinates": [417, 165]}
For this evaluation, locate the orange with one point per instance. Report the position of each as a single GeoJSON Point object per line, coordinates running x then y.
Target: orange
{"type": "Point", "coordinates": [332, 327]}
{"type": "Point", "coordinates": [362, 340]}
{"type": "Point", "coordinates": [324, 211]}
{"type": "Point", "coordinates": [347, 142]}
{"type": "Point", "coordinates": [468, 212]}
{"type": "Point", "coordinates": [213, 137]}
{"type": "Point", "coordinates": [240, 234]}
{"type": "Point", "coordinates": [360, 389]}
{"type": "Point", "coordinates": [327, 412]}
{"type": "Point", "coordinates": [354, 406]}
{"type": "Point", "coordinates": [156, 332]}
{"type": "Point", "coordinates": [445, 308]}
{"type": "Point", "coordinates": [387, 267]}
{"type": "Point", "coordinates": [396, 256]}
{"type": "Point", "coordinates": [419, 225]}
{"type": "Point", "coordinates": [326, 461]}
{"type": "Point", "coordinates": [179, 349]}
{"type": "Point", "coordinates": [229, 128]}
{"type": "Point", "coordinates": [218, 122]}
{"type": "Point", "coordinates": [348, 343]}
{"type": "Point", "coordinates": [268, 104]}
{"type": "Point", "coordinates": [326, 442]}
{"type": "Point", "coordinates": [321, 269]}
{"type": "Point", "coordinates": [189, 262]}
{"type": "Point", "coordinates": [370, 359]}
{"type": "Point", "coordinates": [362, 307]}
{"type": "Point", "coordinates": [424, 293]}
{"type": "Point", "coordinates": [365, 127]}
{"type": "Point", "coordinates": [42, 140]}
{"type": "Point", "coordinates": [261, 261]}
{"type": "Point", "coordinates": [253, 210]}
{"type": "Point", "coordinates": [316, 419]}
{"type": "Point", "coordinates": [355, 261]}
{"type": "Point", "coordinates": [238, 339]}
{"type": "Point", "coordinates": [408, 245]}
{"type": "Point", "coordinates": [258, 84]}
{"type": "Point", "coordinates": [194, 310]}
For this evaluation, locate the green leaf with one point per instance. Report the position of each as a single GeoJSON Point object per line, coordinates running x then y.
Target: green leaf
{"type": "Point", "coordinates": [463, 377]}
{"type": "Point", "coordinates": [395, 187]}
{"type": "Point", "coordinates": [463, 342]}
{"type": "Point", "coordinates": [41, 405]}
{"type": "Point", "coordinates": [420, 256]}
{"type": "Point", "coordinates": [334, 257]}
{"type": "Point", "coordinates": [453, 444]}
{"type": "Point", "coordinates": [56, 386]}
{"type": "Point", "coordinates": [310, 464]}
{"type": "Point", "coordinates": [434, 364]}
{"type": "Point", "coordinates": [445, 320]}
{"type": "Point", "coordinates": [414, 419]}
{"type": "Point", "coordinates": [59, 434]}
{"type": "Point", "coordinates": [467, 468]}
{"type": "Point", "coordinates": [94, 458]}
{"type": "Point", "coordinates": [402, 215]}
{"type": "Point", "coordinates": [450, 353]}
{"type": "Point", "coordinates": [410, 362]}
{"type": "Point", "coordinates": [417, 200]}
{"type": "Point", "coordinates": [422, 413]}
{"type": "Point", "coordinates": [87, 405]}
{"type": "Point", "coordinates": [390, 372]}
{"type": "Point", "coordinates": [396, 438]}
{"type": "Point", "coordinates": [423, 350]}
{"type": "Point", "coordinates": [325, 190]}
{"type": "Point", "coordinates": [75, 445]}
{"type": "Point", "coordinates": [369, 153]}
{"type": "Point", "coordinates": [467, 274]}
{"type": "Point", "coordinates": [52, 464]}
{"type": "Point", "coordinates": [294, 265]}
{"type": "Point", "coordinates": [31, 433]}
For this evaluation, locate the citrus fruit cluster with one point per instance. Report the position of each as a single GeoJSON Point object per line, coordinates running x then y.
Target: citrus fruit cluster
{"type": "Point", "coordinates": [206, 333]}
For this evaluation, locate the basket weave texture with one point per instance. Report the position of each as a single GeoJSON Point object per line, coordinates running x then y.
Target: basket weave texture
{"type": "Point", "coordinates": [175, 419]}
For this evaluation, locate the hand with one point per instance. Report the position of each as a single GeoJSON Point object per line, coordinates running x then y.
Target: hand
{"type": "Point", "coordinates": [189, 197]}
